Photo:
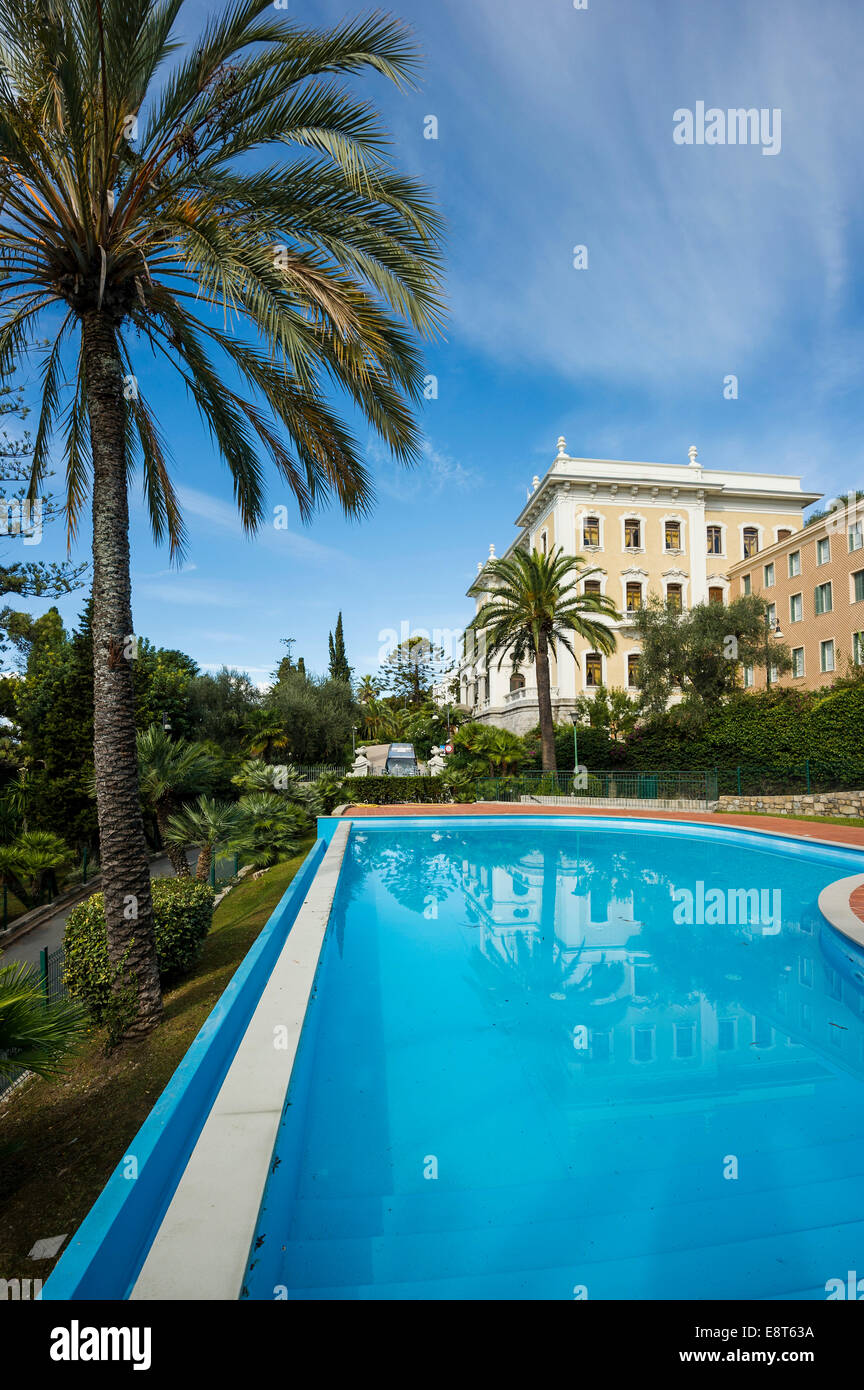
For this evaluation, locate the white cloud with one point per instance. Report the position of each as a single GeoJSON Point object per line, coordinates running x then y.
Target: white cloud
{"type": "Point", "coordinates": [223, 516]}
{"type": "Point", "coordinates": [437, 472]}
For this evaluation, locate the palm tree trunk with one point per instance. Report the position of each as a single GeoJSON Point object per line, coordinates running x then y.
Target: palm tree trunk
{"type": "Point", "coordinates": [122, 846]}
{"type": "Point", "coordinates": [176, 853]}
{"type": "Point", "coordinates": [544, 701]}
{"type": "Point", "coordinates": [202, 868]}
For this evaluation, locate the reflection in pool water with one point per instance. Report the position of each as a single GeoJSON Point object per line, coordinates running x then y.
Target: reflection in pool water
{"type": "Point", "coordinates": [522, 1077]}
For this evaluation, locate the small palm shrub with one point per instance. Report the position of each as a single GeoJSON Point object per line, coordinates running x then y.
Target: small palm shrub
{"type": "Point", "coordinates": [271, 828]}
{"type": "Point", "coordinates": [34, 1036]}
{"type": "Point", "coordinates": [257, 776]}
{"type": "Point", "coordinates": [329, 792]}
{"type": "Point", "coordinates": [182, 916]}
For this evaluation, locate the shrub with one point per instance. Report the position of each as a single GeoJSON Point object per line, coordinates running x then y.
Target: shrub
{"type": "Point", "coordinates": [182, 914]}
{"type": "Point", "coordinates": [595, 748]}
{"type": "Point", "coordinates": [389, 791]}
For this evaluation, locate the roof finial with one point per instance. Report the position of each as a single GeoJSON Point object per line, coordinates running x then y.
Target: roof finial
{"type": "Point", "coordinates": [562, 446]}
{"type": "Point", "coordinates": [479, 566]}
{"type": "Point", "coordinates": [693, 454]}
{"type": "Point", "coordinates": [491, 552]}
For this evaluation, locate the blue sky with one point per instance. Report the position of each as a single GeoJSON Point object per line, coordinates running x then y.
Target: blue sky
{"type": "Point", "coordinates": [555, 129]}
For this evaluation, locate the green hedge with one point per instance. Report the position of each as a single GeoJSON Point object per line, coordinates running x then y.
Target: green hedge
{"type": "Point", "coordinates": [777, 731]}
{"type": "Point", "coordinates": [595, 748]}
{"type": "Point", "coordinates": [389, 791]}
{"type": "Point", "coordinates": [183, 914]}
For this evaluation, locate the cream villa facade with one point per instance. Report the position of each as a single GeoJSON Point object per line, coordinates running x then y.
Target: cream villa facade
{"type": "Point", "coordinates": [675, 530]}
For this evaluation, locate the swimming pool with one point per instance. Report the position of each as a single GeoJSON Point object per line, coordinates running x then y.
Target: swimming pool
{"type": "Point", "coordinates": [545, 1061]}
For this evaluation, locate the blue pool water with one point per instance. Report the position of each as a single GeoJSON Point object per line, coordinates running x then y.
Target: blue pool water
{"type": "Point", "coordinates": [522, 1075]}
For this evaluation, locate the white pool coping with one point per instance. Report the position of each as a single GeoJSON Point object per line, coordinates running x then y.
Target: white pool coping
{"type": "Point", "coordinates": [834, 904]}
{"type": "Point", "coordinates": [202, 1246]}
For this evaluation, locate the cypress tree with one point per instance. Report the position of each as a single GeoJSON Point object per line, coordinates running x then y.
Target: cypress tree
{"type": "Point", "coordinates": [339, 668]}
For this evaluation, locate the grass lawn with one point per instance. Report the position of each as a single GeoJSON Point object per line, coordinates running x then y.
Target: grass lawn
{"type": "Point", "coordinates": [826, 820]}
{"type": "Point", "coordinates": [61, 1140]}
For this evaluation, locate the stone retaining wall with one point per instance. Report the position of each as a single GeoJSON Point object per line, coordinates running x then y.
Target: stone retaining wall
{"type": "Point", "coordinates": [798, 804]}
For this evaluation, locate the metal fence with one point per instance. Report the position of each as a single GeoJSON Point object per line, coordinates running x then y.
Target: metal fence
{"type": "Point", "coordinates": [51, 974]}
{"type": "Point", "coordinates": [678, 790]}
{"type": "Point", "coordinates": [223, 867]}
{"type": "Point", "coordinates": [312, 771]}
{"type": "Point", "coordinates": [779, 779]}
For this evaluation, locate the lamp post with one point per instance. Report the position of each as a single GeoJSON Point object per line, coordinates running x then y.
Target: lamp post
{"type": "Point", "coordinates": [353, 748]}
{"type": "Point", "coordinates": [575, 718]}
{"type": "Point", "coordinates": [777, 634]}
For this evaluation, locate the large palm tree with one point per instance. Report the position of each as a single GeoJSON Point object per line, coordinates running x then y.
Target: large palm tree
{"type": "Point", "coordinates": [368, 689]}
{"type": "Point", "coordinates": [172, 771]}
{"type": "Point", "coordinates": [534, 605]}
{"type": "Point", "coordinates": [269, 736]}
{"type": "Point", "coordinates": [229, 210]}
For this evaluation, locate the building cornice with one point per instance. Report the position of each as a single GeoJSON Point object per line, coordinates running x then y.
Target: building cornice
{"type": "Point", "coordinates": [626, 483]}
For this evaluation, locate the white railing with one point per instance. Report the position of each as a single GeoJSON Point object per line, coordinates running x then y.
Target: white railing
{"type": "Point", "coordinates": [528, 692]}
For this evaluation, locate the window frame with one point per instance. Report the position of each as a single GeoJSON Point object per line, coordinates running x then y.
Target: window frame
{"type": "Point", "coordinates": [750, 533]}
{"type": "Point", "coordinates": [590, 659]}
{"type": "Point", "coordinates": [629, 522]}
{"type": "Point", "coordinates": [821, 612]}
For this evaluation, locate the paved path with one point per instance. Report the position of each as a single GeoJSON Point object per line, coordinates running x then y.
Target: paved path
{"type": "Point", "coordinates": [50, 933]}
{"type": "Point", "coordinates": [852, 835]}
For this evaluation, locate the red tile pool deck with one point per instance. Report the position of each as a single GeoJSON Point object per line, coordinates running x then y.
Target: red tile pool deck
{"type": "Point", "coordinates": [782, 825]}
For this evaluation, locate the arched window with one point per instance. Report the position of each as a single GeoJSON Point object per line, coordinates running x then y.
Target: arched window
{"type": "Point", "coordinates": [591, 530]}
{"type": "Point", "coordinates": [517, 682]}
{"type": "Point", "coordinates": [674, 596]}
{"type": "Point", "coordinates": [632, 534]}
{"type": "Point", "coordinates": [783, 534]}
{"type": "Point", "coordinates": [715, 540]}
{"type": "Point", "coordinates": [672, 535]}
{"type": "Point", "coordinates": [715, 594]}
{"type": "Point", "coordinates": [592, 586]}
{"type": "Point", "coordinates": [751, 542]}
{"type": "Point", "coordinates": [634, 598]}
{"type": "Point", "coordinates": [633, 670]}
